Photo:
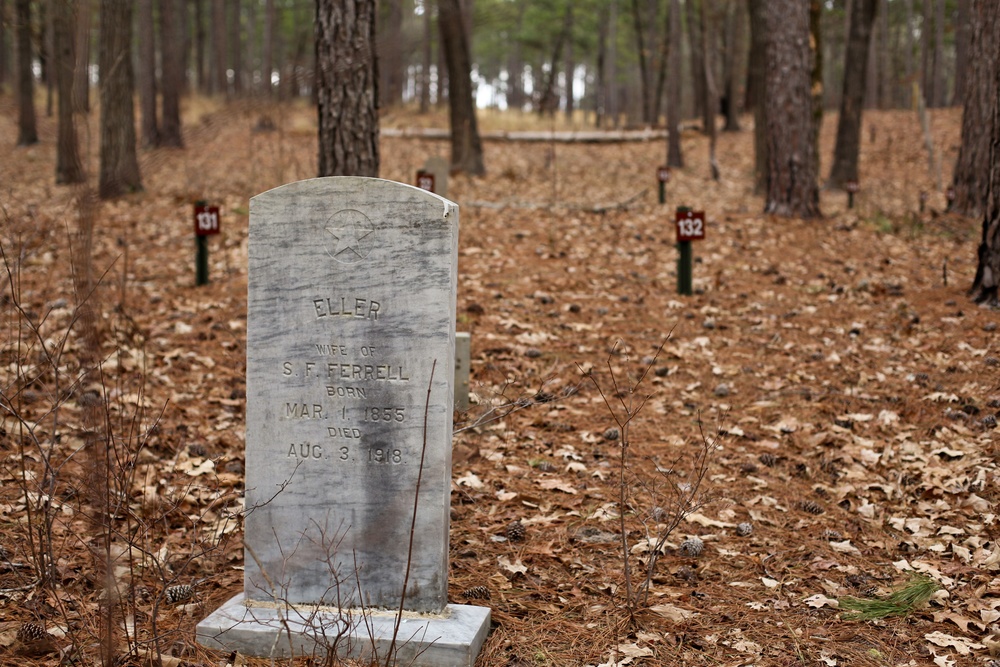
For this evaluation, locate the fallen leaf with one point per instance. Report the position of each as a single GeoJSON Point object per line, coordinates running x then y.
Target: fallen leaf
{"type": "Point", "coordinates": [672, 612]}
{"type": "Point", "coordinates": [819, 600]}
{"type": "Point", "coordinates": [517, 567]}
{"type": "Point", "coordinates": [963, 646]}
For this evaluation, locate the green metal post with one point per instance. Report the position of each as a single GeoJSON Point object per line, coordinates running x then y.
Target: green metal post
{"type": "Point", "coordinates": [684, 268]}
{"type": "Point", "coordinates": [201, 261]}
{"type": "Point", "coordinates": [663, 192]}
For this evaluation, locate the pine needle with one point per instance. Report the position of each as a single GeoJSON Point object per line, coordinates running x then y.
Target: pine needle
{"type": "Point", "coordinates": [903, 602]}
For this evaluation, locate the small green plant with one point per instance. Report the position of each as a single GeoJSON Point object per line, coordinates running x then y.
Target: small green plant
{"type": "Point", "coordinates": [903, 602]}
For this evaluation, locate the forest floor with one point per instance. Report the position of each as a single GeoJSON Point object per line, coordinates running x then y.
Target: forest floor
{"type": "Point", "coordinates": [829, 383]}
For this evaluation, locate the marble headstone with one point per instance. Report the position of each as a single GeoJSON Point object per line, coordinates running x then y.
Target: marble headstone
{"type": "Point", "coordinates": [350, 358]}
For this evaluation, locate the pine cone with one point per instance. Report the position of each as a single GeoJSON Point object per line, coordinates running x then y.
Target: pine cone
{"type": "Point", "coordinates": [810, 507]}
{"type": "Point", "coordinates": [768, 459]}
{"type": "Point", "coordinates": [476, 593]}
{"type": "Point", "coordinates": [178, 593]}
{"type": "Point", "coordinates": [692, 547]}
{"type": "Point", "coordinates": [831, 535]}
{"type": "Point", "coordinates": [33, 640]}
{"type": "Point", "coordinates": [744, 529]}
{"type": "Point", "coordinates": [515, 531]}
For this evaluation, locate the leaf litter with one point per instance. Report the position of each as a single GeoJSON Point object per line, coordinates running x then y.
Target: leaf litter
{"type": "Point", "coordinates": [851, 356]}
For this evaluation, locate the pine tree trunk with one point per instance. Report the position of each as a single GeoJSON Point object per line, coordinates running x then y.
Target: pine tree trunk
{"type": "Point", "coordinates": [27, 129]}
{"type": "Point", "coordinates": [466, 145]}
{"type": "Point", "coordinates": [267, 55]}
{"type": "Point", "coordinates": [986, 19]}
{"type": "Point", "coordinates": [172, 66]}
{"type": "Point", "coordinates": [845, 154]}
{"type": "Point", "coordinates": [81, 75]}
{"type": "Point", "coordinates": [972, 167]}
{"type": "Point", "coordinates": [220, 83]}
{"type": "Point", "coordinates": [908, 65]}
{"type": "Point", "coordinates": [201, 56]}
{"type": "Point", "coordinates": [963, 35]}
{"type": "Point", "coordinates": [425, 67]}
{"type": "Point", "coordinates": [69, 169]}
{"type": "Point", "coordinates": [570, 67]}
{"type": "Point", "coordinates": [4, 56]}
{"type": "Point", "coordinates": [675, 158]}
{"type": "Point", "coordinates": [119, 165]}
{"type": "Point", "coordinates": [235, 45]}
{"type": "Point", "coordinates": [940, 94]}
{"type": "Point", "coordinates": [347, 87]}
{"type": "Point", "coordinates": [150, 129]}
{"type": "Point", "coordinates": [697, 60]}
{"type": "Point", "coordinates": [791, 174]}
{"type": "Point", "coordinates": [391, 57]}
{"type": "Point", "coordinates": [757, 77]}
{"type": "Point", "coordinates": [734, 47]}
{"type": "Point", "coordinates": [816, 76]}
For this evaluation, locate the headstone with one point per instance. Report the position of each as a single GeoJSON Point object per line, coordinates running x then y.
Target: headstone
{"type": "Point", "coordinates": [438, 167]}
{"type": "Point", "coordinates": [350, 351]}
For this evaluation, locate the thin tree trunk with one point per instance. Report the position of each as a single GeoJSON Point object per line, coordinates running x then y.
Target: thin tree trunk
{"type": "Point", "coordinates": [963, 35]}
{"type": "Point", "coordinates": [515, 65]}
{"type": "Point", "coordinates": [171, 59]}
{"type": "Point", "coordinates": [601, 98]}
{"type": "Point", "coordinates": [885, 63]}
{"type": "Point", "coordinates": [267, 57]}
{"type": "Point", "coordinates": [711, 98]}
{"type": "Point", "coordinates": [220, 84]}
{"type": "Point", "coordinates": [758, 84]}
{"type": "Point", "coordinates": [927, 54]}
{"type": "Point", "coordinates": [908, 55]}
{"type": "Point", "coordinates": [391, 56]}
{"type": "Point", "coordinates": [940, 94]}
{"type": "Point", "coordinates": [734, 47]}
{"type": "Point", "coordinates": [845, 155]}
{"type": "Point", "coordinates": [570, 64]}
{"type": "Point", "coordinates": [347, 87]}
{"type": "Point", "coordinates": [466, 145]}
{"type": "Point", "coordinates": [81, 73]}
{"type": "Point", "coordinates": [49, 49]}
{"type": "Point", "coordinates": [425, 67]}
{"type": "Point", "coordinates": [613, 108]}
{"type": "Point", "coordinates": [119, 165]}
{"type": "Point", "coordinates": [791, 175]}
{"type": "Point", "coordinates": [697, 60]}
{"type": "Point", "coordinates": [200, 55]}
{"type": "Point", "coordinates": [27, 129]}
{"type": "Point", "coordinates": [4, 54]}
{"type": "Point", "coordinates": [674, 156]}
{"type": "Point", "coordinates": [235, 47]}
{"type": "Point", "coordinates": [548, 101]}
{"type": "Point", "coordinates": [146, 43]}
{"type": "Point", "coordinates": [69, 169]}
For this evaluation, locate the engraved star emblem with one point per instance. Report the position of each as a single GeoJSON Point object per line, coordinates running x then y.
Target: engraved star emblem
{"type": "Point", "coordinates": [349, 237]}
{"type": "Point", "coordinates": [353, 236]}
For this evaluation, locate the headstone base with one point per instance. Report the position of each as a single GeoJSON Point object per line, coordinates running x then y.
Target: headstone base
{"type": "Point", "coordinates": [452, 639]}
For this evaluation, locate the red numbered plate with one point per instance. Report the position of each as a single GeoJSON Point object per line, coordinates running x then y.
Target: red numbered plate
{"type": "Point", "coordinates": [425, 181]}
{"type": "Point", "coordinates": [663, 174]}
{"type": "Point", "coordinates": [206, 220]}
{"type": "Point", "coordinates": [690, 225]}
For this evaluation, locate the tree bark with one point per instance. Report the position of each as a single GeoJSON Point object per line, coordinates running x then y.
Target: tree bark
{"type": "Point", "coordinates": [674, 156]}
{"type": "Point", "coordinates": [845, 154]}
{"type": "Point", "coordinates": [119, 165]}
{"type": "Point", "coordinates": [69, 169]}
{"type": "Point", "coordinates": [201, 67]}
{"type": "Point", "coordinates": [757, 89]}
{"type": "Point", "coordinates": [220, 83]}
{"type": "Point", "coordinates": [986, 19]}
{"type": "Point", "coordinates": [908, 65]}
{"type": "Point", "coordinates": [791, 175]}
{"type": "Point", "coordinates": [816, 76]}
{"type": "Point", "coordinates": [150, 128]}
{"type": "Point", "coordinates": [427, 58]}
{"type": "Point", "coordinates": [940, 96]}
{"type": "Point", "coordinates": [347, 87]}
{"type": "Point", "coordinates": [697, 60]}
{"type": "Point", "coordinates": [267, 48]}
{"type": "Point", "coordinates": [734, 47]}
{"type": "Point", "coordinates": [27, 128]}
{"type": "Point", "coordinates": [172, 71]}
{"type": "Point", "coordinates": [235, 46]}
{"type": "Point", "coordinates": [970, 178]}
{"type": "Point", "coordinates": [963, 35]}
{"type": "Point", "coordinates": [4, 55]}
{"type": "Point", "coordinates": [81, 73]}
{"type": "Point", "coordinates": [570, 64]}
{"type": "Point", "coordinates": [466, 146]}
{"type": "Point", "coordinates": [391, 63]}
{"type": "Point", "coordinates": [548, 101]}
